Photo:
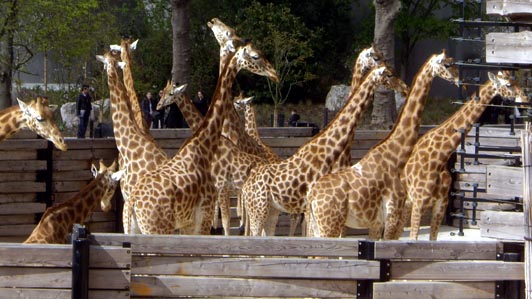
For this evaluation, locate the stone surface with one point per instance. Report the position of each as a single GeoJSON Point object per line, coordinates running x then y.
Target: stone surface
{"type": "Point", "coordinates": [337, 97]}
{"type": "Point", "coordinates": [68, 112]}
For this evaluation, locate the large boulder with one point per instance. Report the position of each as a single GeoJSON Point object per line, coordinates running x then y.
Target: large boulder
{"type": "Point", "coordinates": [337, 97]}
{"type": "Point", "coordinates": [68, 112]}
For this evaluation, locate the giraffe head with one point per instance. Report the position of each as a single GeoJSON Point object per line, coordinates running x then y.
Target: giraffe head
{"type": "Point", "coordinates": [254, 61]}
{"type": "Point", "coordinates": [506, 87]}
{"type": "Point", "coordinates": [171, 94]}
{"type": "Point", "coordinates": [444, 67]}
{"type": "Point", "coordinates": [39, 117]}
{"type": "Point", "coordinates": [384, 76]}
{"type": "Point", "coordinates": [226, 36]}
{"type": "Point", "coordinates": [369, 58]}
{"type": "Point", "coordinates": [240, 102]}
{"type": "Point", "coordinates": [110, 180]}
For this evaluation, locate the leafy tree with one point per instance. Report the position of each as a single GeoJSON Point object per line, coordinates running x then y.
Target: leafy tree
{"type": "Point", "coordinates": [285, 41]}
{"type": "Point", "coordinates": [418, 21]}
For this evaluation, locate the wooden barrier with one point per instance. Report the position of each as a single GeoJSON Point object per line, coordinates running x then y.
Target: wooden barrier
{"type": "Point", "coordinates": [213, 266]}
{"type": "Point", "coordinates": [45, 271]}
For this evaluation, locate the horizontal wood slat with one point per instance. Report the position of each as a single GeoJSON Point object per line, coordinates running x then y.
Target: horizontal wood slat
{"type": "Point", "coordinates": [458, 270]}
{"type": "Point", "coordinates": [233, 245]}
{"type": "Point", "coordinates": [434, 290]}
{"type": "Point", "coordinates": [60, 293]}
{"type": "Point", "coordinates": [441, 250]}
{"type": "Point", "coordinates": [173, 286]}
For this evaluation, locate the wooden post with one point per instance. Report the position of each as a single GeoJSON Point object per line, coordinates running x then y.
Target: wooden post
{"type": "Point", "coordinates": [525, 145]}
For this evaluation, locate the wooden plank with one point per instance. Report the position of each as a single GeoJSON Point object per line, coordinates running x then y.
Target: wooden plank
{"type": "Point", "coordinates": [17, 197]}
{"type": "Point", "coordinates": [294, 142]}
{"type": "Point", "coordinates": [257, 267]}
{"type": "Point", "coordinates": [441, 250]}
{"type": "Point", "coordinates": [68, 186]}
{"type": "Point", "coordinates": [17, 277]}
{"type": "Point", "coordinates": [487, 206]}
{"type": "Point", "coordinates": [16, 230]}
{"type": "Point", "coordinates": [173, 286]}
{"type": "Point", "coordinates": [23, 144]}
{"type": "Point", "coordinates": [18, 155]}
{"type": "Point", "coordinates": [22, 208]}
{"type": "Point", "coordinates": [504, 180]}
{"type": "Point", "coordinates": [73, 175]}
{"type": "Point", "coordinates": [285, 131]}
{"type": "Point", "coordinates": [102, 227]}
{"type": "Point", "coordinates": [68, 165]}
{"type": "Point", "coordinates": [502, 225]}
{"type": "Point", "coordinates": [60, 293]}
{"type": "Point", "coordinates": [433, 289]}
{"type": "Point", "coordinates": [18, 177]}
{"type": "Point", "coordinates": [515, 8]}
{"type": "Point", "coordinates": [17, 219]}
{"type": "Point", "coordinates": [22, 166]}
{"type": "Point", "coordinates": [233, 245]}
{"type": "Point", "coordinates": [505, 47]}
{"type": "Point", "coordinates": [458, 270]}
{"type": "Point", "coordinates": [59, 255]}
{"type": "Point", "coordinates": [22, 187]}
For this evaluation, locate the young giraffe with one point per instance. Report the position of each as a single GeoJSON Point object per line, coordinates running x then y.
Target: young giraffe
{"type": "Point", "coordinates": [57, 221]}
{"type": "Point", "coordinates": [425, 176]}
{"type": "Point", "coordinates": [37, 116]}
{"type": "Point", "coordinates": [370, 194]}
{"type": "Point", "coordinates": [138, 151]}
{"type": "Point", "coordinates": [180, 193]}
{"type": "Point", "coordinates": [283, 186]}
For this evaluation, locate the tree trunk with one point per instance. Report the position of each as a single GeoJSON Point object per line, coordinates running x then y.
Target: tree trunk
{"type": "Point", "coordinates": [45, 72]}
{"type": "Point", "coordinates": [386, 11]}
{"type": "Point", "coordinates": [181, 49]}
{"type": "Point", "coordinates": [6, 57]}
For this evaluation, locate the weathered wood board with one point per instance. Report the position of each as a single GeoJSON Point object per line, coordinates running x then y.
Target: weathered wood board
{"type": "Point", "coordinates": [504, 47]}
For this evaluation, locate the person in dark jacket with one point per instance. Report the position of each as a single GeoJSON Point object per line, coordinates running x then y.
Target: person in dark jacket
{"type": "Point", "coordinates": [83, 110]}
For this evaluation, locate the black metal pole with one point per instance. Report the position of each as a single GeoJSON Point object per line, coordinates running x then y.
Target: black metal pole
{"type": "Point", "coordinates": [80, 262]}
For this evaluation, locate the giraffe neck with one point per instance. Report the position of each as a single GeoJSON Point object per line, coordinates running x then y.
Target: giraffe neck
{"type": "Point", "coordinates": [128, 137]}
{"type": "Point", "coordinates": [11, 121]}
{"type": "Point", "coordinates": [325, 148]}
{"type": "Point", "coordinates": [404, 135]}
{"type": "Point", "coordinates": [129, 83]}
{"type": "Point", "coordinates": [205, 140]}
{"type": "Point", "coordinates": [190, 112]}
{"type": "Point", "coordinates": [252, 131]}
{"type": "Point", "coordinates": [358, 72]}
{"type": "Point", "coordinates": [464, 118]}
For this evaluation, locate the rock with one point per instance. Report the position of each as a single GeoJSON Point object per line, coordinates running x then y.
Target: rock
{"type": "Point", "coordinates": [68, 112]}
{"type": "Point", "coordinates": [337, 97]}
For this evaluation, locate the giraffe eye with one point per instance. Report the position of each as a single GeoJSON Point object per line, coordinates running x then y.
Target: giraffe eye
{"type": "Point", "coordinates": [255, 56]}
{"type": "Point", "coordinates": [508, 85]}
{"type": "Point", "coordinates": [447, 65]}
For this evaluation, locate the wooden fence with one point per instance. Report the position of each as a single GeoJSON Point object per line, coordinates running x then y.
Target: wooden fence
{"type": "Point", "coordinates": [230, 267]}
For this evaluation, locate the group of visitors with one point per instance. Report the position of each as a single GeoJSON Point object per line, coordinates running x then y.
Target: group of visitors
{"type": "Point", "coordinates": [167, 117]}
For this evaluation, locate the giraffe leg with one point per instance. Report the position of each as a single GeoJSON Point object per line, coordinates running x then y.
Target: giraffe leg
{"type": "Point", "coordinates": [257, 207]}
{"type": "Point", "coordinates": [216, 215]}
{"type": "Point", "coordinates": [328, 220]}
{"type": "Point", "coordinates": [415, 218]}
{"type": "Point", "coordinates": [225, 208]}
{"type": "Point", "coordinates": [439, 206]}
{"type": "Point", "coordinates": [271, 222]}
{"type": "Point", "coordinates": [294, 220]}
{"type": "Point", "coordinates": [394, 200]}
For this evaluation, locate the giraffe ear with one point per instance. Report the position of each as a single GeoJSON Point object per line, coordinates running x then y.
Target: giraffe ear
{"type": "Point", "coordinates": [133, 45]}
{"type": "Point", "coordinates": [493, 78]}
{"type": "Point", "coordinates": [439, 58]}
{"type": "Point", "coordinates": [115, 48]}
{"type": "Point", "coordinates": [117, 176]}
{"type": "Point", "coordinates": [180, 89]}
{"type": "Point", "coordinates": [101, 58]}
{"type": "Point", "coordinates": [94, 170]}
{"type": "Point", "coordinates": [23, 106]}
{"type": "Point", "coordinates": [121, 64]}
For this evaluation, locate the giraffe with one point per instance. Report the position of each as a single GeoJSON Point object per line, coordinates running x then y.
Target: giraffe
{"type": "Point", "coordinates": [180, 194]}
{"type": "Point", "coordinates": [370, 194]}
{"type": "Point", "coordinates": [368, 59]}
{"type": "Point", "coordinates": [137, 150]}
{"type": "Point", "coordinates": [57, 221]}
{"type": "Point", "coordinates": [37, 116]}
{"type": "Point", "coordinates": [425, 176]}
{"type": "Point", "coordinates": [283, 186]}
{"type": "Point", "coordinates": [228, 40]}
{"type": "Point", "coordinates": [125, 48]}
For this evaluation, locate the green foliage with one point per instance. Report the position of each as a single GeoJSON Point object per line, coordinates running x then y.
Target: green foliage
{"type": "Point", "coordinates": [284, 39]}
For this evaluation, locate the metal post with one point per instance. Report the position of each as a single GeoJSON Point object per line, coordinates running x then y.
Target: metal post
{"type": "Point", "coordinates": [80, 262]}
{"type": "Point", "coordinates": [477, 142]}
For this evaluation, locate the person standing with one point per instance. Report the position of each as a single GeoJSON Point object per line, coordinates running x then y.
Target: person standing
{"type": "Point", "coordinates": [83, 110]}
{"type": "Point", "coordinates": [148, 106]}
{"type": "Point", "coordinates": [201, 103]}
